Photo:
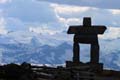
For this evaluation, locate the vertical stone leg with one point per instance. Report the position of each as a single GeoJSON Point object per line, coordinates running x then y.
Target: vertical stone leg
{"type": "Point", "coordinates": [75, 52]}
{"type": "Point", "coordinates": [94, 53]}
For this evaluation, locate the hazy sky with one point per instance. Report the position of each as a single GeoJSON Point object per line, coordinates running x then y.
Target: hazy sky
{"type": "Point", "coordinates": [108, 4]}
{"type": "Point", "coordinates": [55, 15]}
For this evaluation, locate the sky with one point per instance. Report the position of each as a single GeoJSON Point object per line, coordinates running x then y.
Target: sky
{"type": "Point", "coordinates": [55, 16]}
{"type": "Point", "coordinates": [109, 4]}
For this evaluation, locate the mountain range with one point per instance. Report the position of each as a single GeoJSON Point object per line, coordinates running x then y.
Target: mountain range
{"type": "Point", "coordinates": [54, 49]}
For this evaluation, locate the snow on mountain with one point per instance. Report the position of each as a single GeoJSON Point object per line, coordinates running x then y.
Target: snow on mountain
{"type": "Point", "coordinates": [34, 48]}
{"type": "Point", "coordinates": [53, 49]}
{"type": "Point", "coordinates": [110, 53]}
{"type": "Point", "coordinates": [39, 54]}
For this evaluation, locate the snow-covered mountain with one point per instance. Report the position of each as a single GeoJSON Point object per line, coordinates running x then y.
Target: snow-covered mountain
{"type": "Point", "coordinates": [54, 49]}
{"type": "Point", "coordinates": [38, 49]}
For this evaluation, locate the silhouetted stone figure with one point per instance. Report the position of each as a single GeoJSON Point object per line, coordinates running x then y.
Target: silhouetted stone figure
{"type": "Point", "coordinates": [86, 34]}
